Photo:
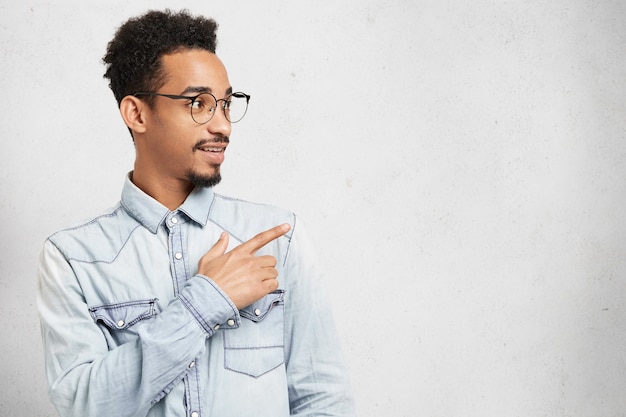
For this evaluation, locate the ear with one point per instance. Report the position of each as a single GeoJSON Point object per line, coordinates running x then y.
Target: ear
{"type": "Point", "coordinates": [133, 112]}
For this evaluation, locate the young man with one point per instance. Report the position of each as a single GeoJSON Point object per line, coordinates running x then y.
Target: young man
{"type": "Point", "coordinates": [179, 301]}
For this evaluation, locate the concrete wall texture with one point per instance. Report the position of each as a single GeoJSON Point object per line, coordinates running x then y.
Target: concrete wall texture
{"type": "Point", "coordinates": [460, 164]}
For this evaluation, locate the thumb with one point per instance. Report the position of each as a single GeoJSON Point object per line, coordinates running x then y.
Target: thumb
{"type": "Point", "coordinates": [218, 249]}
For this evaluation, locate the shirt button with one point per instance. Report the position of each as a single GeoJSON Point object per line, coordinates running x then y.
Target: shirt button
{"type": "Point", "coordinates": [195, 414]}
{"type": "Point", "coordinates": [192, 364]}
{"type": "Point", "coordinates": [174, 220]}
{"type": "Point", "coordinates": [178, 255]}
{"type": "Point", "coordinates": [120, 323]}
{"type": "Point", "coordinates": [216, 327]}
{"type": "Point", "coordinates": [231, 322]}
{"type": "Point", "coordinates": [257, 311]}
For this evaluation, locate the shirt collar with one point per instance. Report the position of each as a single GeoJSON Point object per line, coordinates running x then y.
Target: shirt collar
{"type": "Point", "coordinates": [150, 213]}
{"type": "Point", "coordinates": [198, 205]}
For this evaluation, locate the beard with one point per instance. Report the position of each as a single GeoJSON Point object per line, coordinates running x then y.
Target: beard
{"type": "Point", "coordinates": [205, 181]}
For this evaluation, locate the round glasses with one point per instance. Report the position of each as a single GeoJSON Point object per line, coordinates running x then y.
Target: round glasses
{"type": "Point", "coordinates": [203, 105]}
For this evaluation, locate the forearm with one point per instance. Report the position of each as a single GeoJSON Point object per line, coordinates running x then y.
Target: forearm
{"type": "Point", "coordinates": [90, 374]}
{"type": "Point", "coordinates": [128, 379]}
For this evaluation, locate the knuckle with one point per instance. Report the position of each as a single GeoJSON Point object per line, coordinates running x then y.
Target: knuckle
{"type": "Point", "coordinates": [272, 273]}
{"type": "Point", "coordinates": [269, 260]}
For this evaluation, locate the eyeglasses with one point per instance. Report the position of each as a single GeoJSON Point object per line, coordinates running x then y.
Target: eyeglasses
{"type": "Point", "coordinates": [203, 105]}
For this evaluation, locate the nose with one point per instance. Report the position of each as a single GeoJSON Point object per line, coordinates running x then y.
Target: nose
{"type": "Point", "coordinates": [219, 124]}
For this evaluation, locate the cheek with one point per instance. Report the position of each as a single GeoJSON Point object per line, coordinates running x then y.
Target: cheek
{"type": "Point", "coordinates": [176, 134]}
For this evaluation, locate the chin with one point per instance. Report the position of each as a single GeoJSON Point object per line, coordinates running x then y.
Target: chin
{"type": "Point", "coordinates": [200, 180]}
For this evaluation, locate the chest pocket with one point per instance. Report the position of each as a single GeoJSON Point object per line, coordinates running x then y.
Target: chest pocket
{"type": "Point", "coordinates": [119, 322]}
{"type": "Point", "coordinates": [257, 345]}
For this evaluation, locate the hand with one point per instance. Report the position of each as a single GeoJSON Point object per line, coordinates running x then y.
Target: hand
{"type": "Point", "coordinates": [244, 277]}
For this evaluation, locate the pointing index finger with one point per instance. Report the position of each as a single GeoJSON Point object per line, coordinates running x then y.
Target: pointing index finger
{"type": "Point", "coordinates": [263, 238]}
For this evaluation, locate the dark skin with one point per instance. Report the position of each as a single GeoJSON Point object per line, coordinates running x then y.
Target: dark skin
{"type": "Point", "coordinates": [170, 146]}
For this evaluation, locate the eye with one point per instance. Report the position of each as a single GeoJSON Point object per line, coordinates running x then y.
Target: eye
{"type": "Point", "coordinates": [198, 103]}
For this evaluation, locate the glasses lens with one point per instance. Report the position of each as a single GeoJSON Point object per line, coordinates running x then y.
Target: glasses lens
{"type": "Point", "coordinates": [202, 108]}
{"type": "Point", "coordinates": [235, 107]}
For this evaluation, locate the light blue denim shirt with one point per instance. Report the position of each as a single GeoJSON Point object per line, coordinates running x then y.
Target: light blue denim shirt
{"type": "Point", "coordinates": [131, 329]}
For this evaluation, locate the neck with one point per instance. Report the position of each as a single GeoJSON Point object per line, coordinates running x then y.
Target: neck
{"type": "Point", "coordinates": [169, 192]}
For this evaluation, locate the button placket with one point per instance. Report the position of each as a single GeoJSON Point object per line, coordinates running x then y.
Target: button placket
{"type": "Point", "coordinates": [177, 251]}
{"type": "Point", "coordinates": [175, 224]}
{"type": "Point", "coordinates": [193, 389]}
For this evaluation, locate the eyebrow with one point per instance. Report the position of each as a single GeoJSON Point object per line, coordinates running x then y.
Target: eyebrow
{"type": "Point", "coordinates": [200, 90]}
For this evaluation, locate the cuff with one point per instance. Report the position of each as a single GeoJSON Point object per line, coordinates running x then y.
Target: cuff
{"type": "Point", "coordinates": [208, 304]}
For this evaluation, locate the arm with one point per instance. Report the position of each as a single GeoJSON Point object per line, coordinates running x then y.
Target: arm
{"type": "Point", "coordinates": [317, 377]}
{"type": "Point", "coordinates": [85, 378]}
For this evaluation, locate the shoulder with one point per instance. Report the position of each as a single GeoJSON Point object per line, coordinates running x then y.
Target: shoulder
{"type": "Point", "coordinates": [95, 239]}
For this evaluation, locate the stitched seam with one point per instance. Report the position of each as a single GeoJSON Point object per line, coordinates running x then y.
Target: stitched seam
{"type": "Point", "coordinates": [70, 258]}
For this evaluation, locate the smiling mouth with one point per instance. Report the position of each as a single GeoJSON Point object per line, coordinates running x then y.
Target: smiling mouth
{"type": "Point", "coordinates": [216, 145]}
{"type": "Point", "coordinates": [212, 149]}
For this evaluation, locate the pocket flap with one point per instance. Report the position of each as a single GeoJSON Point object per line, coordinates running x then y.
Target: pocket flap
{"type": "Point", "coordinates": [258, 310]}
{"type": "Point", "coordinates": [123, 315]}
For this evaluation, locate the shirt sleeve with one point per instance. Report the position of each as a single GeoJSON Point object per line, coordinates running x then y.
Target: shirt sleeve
{"type": "Point", "coordinates": [85, 378]}
{"type": "Point", "coordinates": [317, 377]}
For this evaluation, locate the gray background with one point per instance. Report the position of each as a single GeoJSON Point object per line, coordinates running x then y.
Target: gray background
{"type": "Point", "coordinates": [460, 164]}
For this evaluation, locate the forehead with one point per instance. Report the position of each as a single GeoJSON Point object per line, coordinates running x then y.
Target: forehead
{"type": "Point", "coordinates": [194, 68]}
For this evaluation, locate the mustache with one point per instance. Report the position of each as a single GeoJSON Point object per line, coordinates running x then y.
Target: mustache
{"type": "Point", "coordinates": [216, 140]}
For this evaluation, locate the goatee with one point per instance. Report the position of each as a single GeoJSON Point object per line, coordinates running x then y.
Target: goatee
{"type": "Point", "coordinates": [210, 180]}
{"type": "Point", "coordinates": [204, 180]}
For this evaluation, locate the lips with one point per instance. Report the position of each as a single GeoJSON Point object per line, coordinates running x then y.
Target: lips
{"type": "Point", "coordinates": [212, 151]}
{"type": "Point", "coordinates": [215, 145]}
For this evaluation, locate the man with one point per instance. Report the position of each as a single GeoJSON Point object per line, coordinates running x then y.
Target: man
{"type": "Point", "coordinates": [179, 301]}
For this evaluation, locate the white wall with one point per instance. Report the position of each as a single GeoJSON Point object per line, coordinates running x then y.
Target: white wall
{"type": "Point", "coordinates": [461, 164]}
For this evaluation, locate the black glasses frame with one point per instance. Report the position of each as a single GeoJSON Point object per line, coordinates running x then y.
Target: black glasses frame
{"type": "Point", "coordinates": [193, 99]}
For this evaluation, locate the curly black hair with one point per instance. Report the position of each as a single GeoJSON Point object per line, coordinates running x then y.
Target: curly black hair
{"type": "Point", "coordinates": [133, 56]}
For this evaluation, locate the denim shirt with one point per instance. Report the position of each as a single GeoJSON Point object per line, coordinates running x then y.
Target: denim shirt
{"type": "Point", "coordinates": [131, 329]}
